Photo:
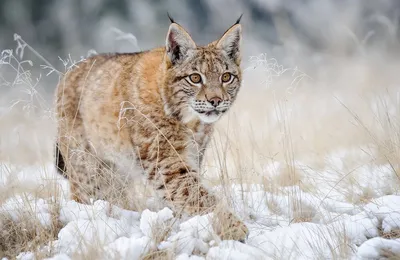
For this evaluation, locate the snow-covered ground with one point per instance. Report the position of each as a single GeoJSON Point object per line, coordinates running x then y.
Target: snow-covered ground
{"type": "Point", "coordinates": [291, 224]}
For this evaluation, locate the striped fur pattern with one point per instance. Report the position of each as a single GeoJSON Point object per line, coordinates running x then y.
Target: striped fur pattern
{"type": "Point", "coordinates": [150, 112]}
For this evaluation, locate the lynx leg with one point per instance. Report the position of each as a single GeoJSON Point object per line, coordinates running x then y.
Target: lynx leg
{"type": "Point", "coordinates": [94, 178]}
{"type": "Point", "coordinates": [180, 185]}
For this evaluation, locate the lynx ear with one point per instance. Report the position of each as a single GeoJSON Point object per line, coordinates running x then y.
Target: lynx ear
{"type": "Point", "coordinates": [178, 43]}
{"type": "Point", "coordinates": [230, 42]}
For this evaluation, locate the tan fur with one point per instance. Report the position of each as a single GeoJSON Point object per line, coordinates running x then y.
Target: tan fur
{"type": "Point", "coordinates": [123, 113]}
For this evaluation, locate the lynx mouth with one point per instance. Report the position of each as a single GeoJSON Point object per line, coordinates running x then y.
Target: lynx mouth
{"type": "Point", "coordinates": [213, 112]}
{"type": "Point", "coordinates": [209, 113]}
{"type": "Point", "coordinates": [210, 116]}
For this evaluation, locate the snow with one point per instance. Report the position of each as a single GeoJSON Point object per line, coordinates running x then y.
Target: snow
{"type": "Point", "coordinates": [377, 248]}
{"type": "Point", "coordinates": [59, 257]}
{"type": "Point", "coordinates": [128, 248]}
{"type": "Point", "coordinates": [195, 235]}
{"type": "Point", "coordinates": [288, 224]}
{"type": "Point", "coordinates": [391, 222]}
{"type": "Point", "coordinates": [152, 221]}
{"type": "Point", "coordinates": [128, 235]}
{"type": "Point", "coordinates": [236, 251]}
{"type": "Point", "coordinates": [26, 256]}
{"type": "Point", "coordinates": [22, 205]}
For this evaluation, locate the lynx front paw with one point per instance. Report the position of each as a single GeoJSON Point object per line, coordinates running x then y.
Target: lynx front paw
{"type": "Point", "coordinates": [229, 227]}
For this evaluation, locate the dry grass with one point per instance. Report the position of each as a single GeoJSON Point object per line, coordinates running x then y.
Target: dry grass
{"type": "Point", "coordinates": [27, 234]}
{"type": "Point", "coordinates": [159, 254]}
{"type": "Point", "coordinates": [394, 234]}
{"type": "Point", "coordinates": [349, 109]}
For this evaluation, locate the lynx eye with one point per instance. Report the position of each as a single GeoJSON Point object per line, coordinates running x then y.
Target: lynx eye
{"type": "Point", "coordinates": [195, 78]}
{"type": "Point", "coordinates": [226, 77]}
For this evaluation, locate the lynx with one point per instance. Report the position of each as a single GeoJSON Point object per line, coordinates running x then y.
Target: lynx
{"type": "Point", "coordinates": [151, 112]}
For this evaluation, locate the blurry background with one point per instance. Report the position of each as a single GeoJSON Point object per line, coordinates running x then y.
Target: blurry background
{"type": "Point", "coordinates": [300, 57]}
{"type": "Point", "coordinates": [62, 27]}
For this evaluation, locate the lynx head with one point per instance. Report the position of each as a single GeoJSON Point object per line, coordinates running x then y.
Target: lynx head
{"type": "Point", "coordinates": [201, 81]}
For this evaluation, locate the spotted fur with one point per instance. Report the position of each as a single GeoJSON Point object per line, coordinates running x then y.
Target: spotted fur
{"type": "Point", "coordinates": [141, 112]}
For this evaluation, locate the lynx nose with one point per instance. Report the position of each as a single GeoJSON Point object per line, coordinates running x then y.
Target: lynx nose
{"type": "Point", "coordinates": [215, 101]}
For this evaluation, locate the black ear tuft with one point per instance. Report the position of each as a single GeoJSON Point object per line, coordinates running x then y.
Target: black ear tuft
{"type": "Point", "coordinates": [238, 20]}
{"type": "Point", "coordinates": [170, 18]}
